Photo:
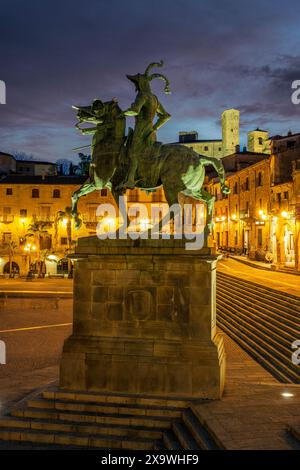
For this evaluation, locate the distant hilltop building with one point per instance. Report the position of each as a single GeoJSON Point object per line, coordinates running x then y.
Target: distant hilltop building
{"type": "Point", "coordinates": [258, 140]}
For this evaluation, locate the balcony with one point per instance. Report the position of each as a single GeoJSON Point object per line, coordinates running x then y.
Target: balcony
{"type": "Point", "coordinates": [279, 206]}
{"type": "Point", "coordinates": [90, 221]}
{"type": "Point", "coordinates": [45, 219]}
{"type": "Point", "coordinates": [6, 218]}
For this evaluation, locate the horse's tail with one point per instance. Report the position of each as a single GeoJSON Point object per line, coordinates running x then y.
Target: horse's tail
{"type": "Point", "coordinates": [217, 164]}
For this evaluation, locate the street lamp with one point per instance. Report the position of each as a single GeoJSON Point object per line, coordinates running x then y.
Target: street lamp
{"type": "Point", "coordinates": [29, 248]}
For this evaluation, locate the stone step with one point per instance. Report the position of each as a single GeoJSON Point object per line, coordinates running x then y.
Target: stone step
{"type": "Point", "coordinates": [272, 295]}
{"type": "Point", "coordinates": [73, 439]}
{"type": "Point", "coordinates": [82, 428]}
{"type": "Point", "coordinates": [290, 300]}
{"type": "Point", "coordinates": [170, 441]}
{"type": "Point", "coordinates": [283, 332]}
{"type": "Point", "coordinates": [114, 398]}
{"type": "Point", "coordinates": [268, 348]}
{"type": "Point", "coordinates": [185, 438]}
{"type": "Point", "coordinates": [262, 329]}
{"type": "Point", "coordinates": [258, 334]}
{"type": "Point", "coordinates": [279, 312]}
{"type": "Point", "coordinates": [294, 432]}
{"type": "Point", "coordinates": [105, 408]}
{"type": "Point", "coordinates": [199, 432]}
{"type": "Point", "coordinates": [89, 417]}
{"type": "Point", "coordinates": [255, 349]}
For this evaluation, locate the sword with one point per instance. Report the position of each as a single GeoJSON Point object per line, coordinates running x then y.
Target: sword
{"type": "Point", "coordinates": [83, 147]}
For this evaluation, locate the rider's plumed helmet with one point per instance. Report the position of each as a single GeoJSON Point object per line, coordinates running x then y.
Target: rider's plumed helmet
{"type": "Point", "coordinates": [141, 81]}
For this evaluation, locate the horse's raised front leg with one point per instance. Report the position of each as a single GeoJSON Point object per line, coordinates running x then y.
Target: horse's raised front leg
{"type": "Point", "coordinates": [85, 189]}
{"type": "Point", "coordinates": [171, 194]}
{"type": "Point", "coordinates": [206, 197]}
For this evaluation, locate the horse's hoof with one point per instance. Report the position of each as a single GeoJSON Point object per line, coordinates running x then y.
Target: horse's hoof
{"type": "Point", "coordinates": [78, 223]}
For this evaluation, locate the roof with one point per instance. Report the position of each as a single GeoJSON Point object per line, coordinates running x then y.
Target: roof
{"type": "Point", "coordinates": [34, 180]}
{"type": "Point", "coordinates": [259, 130]}
{"type": "Point", "coordinates": [8, 154]}
{"type": "Point", "coordinates": [282, 137]}
{"type": "Point", "coordinates": [36, 162]}
{"type": "Point", "coordinates": [196, 141]}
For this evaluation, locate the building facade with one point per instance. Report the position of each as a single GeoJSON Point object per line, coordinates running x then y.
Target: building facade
{"type": "Point", "coordinates": [260, 217]}
{"type": "Point", "coordinates": [35, 224]}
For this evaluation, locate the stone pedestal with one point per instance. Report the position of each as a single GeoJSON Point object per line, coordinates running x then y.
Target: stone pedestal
{"type": "Point", "coordinates": [144, 320]}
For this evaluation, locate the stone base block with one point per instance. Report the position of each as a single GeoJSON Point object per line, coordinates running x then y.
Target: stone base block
{"type": "Point", "coordinates": [147, 367]}
{"type": "Point", "coordinates": [144, 320]}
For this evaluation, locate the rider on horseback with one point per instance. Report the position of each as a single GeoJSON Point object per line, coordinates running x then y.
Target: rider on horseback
{"type": "Point", "coordinates": [145, 107]}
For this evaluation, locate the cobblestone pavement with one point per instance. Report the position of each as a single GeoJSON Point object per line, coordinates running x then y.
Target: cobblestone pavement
{"type": "Point", "coordinates": [280, 281]}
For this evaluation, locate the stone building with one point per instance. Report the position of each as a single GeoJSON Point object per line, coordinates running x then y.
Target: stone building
{"type": "Point", "coordinates": [216, 147]}
{"type": "Point", "coordinates": [206, 147]}
{"type": "Point", "coordinates": [230, 131]}
{"type": "Point", "coordinates": [260, 217]}
{"type": "Point", "coordinates": [27, 200]}
{"type": "Point", "coordinates": [258, 141]}
{"type": "Point", "coordinates": [37, 168]}
{"type": "Point", "coordinates": [8, 163]}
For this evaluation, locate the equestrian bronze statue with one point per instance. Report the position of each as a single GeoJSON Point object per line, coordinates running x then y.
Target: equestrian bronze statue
{"type": "Point", "coordinates": [121, 162]}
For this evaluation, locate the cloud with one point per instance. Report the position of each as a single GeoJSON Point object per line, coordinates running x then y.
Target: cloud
{"type": "Point", "coordinates": [217, 54]}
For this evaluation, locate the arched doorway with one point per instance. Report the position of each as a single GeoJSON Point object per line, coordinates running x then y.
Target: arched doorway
{"type": "Point", "coordinates": [289, 248]}
{"type": "Point", "coordinates": [15, 268]}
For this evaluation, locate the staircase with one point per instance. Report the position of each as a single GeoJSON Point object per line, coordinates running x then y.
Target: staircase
{"type": "Point", "coordinates": [293, 432]}
{"type": "Point", "coordinates": [263, 321]}
{"type": "Point", "coordinates": [64, 419]}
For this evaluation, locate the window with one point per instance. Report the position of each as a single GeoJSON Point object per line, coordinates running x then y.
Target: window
{"type": "Point", "coordinates": [63, 241]}
{"type": "Point", "coordinates": [23, 212]}
{"type": "Point", "coordinates": [45, 213]}
{"type": "Point", "coordinates": [278, 198]}
{"type": "Point", "coordinates": [260, 140]}
{"type": "Point", "coordinates": [247, 186]}
{"type": "Point", "coordinates": [260, 203]}
{"type": "Point", "coordinates": [291, 144]}
{"type": "Point", "coordinates": [56, 193]}
{"type": "Point", "coordinates": [103, 192]}
{"type": "Point", "coordinates": [35, 193]}
{"type": "Point", "coordinates": [285, 195]}
{"type": "Point", "coordinates": [220, 149]}
{"type": "Point", "coordinates": [259, 237]}
{"type": "Point", "coordinates": [259, 179]}
{"type": "Point", "coordinates": [9, 191]}
{"type": "Point", "coordinates": [45, 242]}
{"type": "Point", "coordinates": [206, 148]}
{"type": "Point", "coordinates": [6, 237]}
{"type": "Point", "coordinates": [7, 217]}
{"type": "Point", "coordinates": [236, 237]}
{"type": "Point", "coordinates": [235, 188]}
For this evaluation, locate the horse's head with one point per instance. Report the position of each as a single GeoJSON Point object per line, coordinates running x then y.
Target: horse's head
{"type": "Point", "coordinates": [93, 113]}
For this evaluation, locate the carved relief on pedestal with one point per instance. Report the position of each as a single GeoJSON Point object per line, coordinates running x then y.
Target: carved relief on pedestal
{"type": "Point", "coordinates": [140, 304]}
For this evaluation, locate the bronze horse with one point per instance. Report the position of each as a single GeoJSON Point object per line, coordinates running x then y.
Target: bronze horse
{"type": "Point", "coordinates": [177, 168]}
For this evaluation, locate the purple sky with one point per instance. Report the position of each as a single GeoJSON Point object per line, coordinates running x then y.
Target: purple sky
{"type": "Point", "coordinates": [218, 54]}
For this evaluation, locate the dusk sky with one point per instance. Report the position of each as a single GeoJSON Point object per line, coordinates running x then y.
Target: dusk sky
{"type": "Point", "coordinates": [218, 54]}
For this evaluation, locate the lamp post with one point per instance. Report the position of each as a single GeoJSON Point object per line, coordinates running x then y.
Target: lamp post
{"type": "Point", "coordinates": [29, 248]}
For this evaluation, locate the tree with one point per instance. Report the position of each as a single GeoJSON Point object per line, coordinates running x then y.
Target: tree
{"type": "Point", "coordinates": [37, 230]}
{"type": "Point", "coordinates": [66, 216]}
{"type": "Point", "coordinates": [11, 248]}
{"type": "Point", "coordinates": [83, 165]}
